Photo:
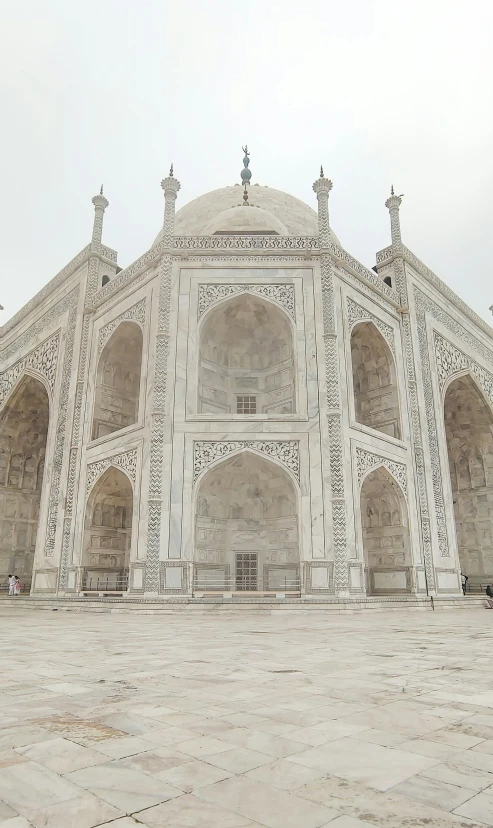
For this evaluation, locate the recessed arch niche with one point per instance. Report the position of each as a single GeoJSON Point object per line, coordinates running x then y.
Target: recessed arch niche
{"type": "Point", "coordinates": [376, 397]}
{"type": "Point", "coordinates": [385, 530]}
{"type": "Point", "coordinates": [469, 434]}
{"type": "Point", "coordinates": [23, 433]}
{"type": "Point", "coordinates": [246, 527]}
{"type": "Point", "coordinates": [118, 377]}
{"type": "Point", "coordinates": [246, 359]}
{"type": "Point", "coordinates": [108, 533]}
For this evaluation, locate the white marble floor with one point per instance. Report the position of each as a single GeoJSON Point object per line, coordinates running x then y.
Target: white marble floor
{"type": "Point", "coordinates": [244, 721]}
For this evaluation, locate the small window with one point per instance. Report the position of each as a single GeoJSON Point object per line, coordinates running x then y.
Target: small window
{"type": "Point", "coordinates": [246, 405]}
{"type": "Point", "coordinates": [105, 280]}
{"type": "Point", "coordinates": [388, 281]}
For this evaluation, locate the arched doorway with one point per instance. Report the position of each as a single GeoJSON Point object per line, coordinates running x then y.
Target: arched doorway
{"type": "Point", "coordinates": [23, 432]}
{"type": "Point", "coordinates": [376, 397]}
{"type": "Point", "coordinates": [385, 527]}
{"type": "Point", "coordinates": [118, 381]}
{"type": "Point", "coordinates": [108, 533]}
{"type": "Point", "coordinates": [246, 359]}
{"type": "Point", "coordinates": [246, 527]}
{"type": "Point", "coordinates": [469, 434]}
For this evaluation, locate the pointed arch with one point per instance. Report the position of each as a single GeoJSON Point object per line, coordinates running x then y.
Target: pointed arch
{"type": "Point", "coordinates": [108, 532]}
{"type": "Point", "coordinates": [24, 422]}
{"type": "Point", "coordinates": [246, 357]}
{"type": "Point", "coordinates": [376, 396]}
{"type": "Point", "coordinates": [468, 419]}
{"type": "Point", "coordinates": [385, 533]}
{"type": "Point", "coordinates": [118, 379]}
{"type": "Point", "coordinates": [246, 526]}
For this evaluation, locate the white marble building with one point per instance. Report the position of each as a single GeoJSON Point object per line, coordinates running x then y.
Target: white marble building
{"type": "Point", "coordinates": [246, 409]}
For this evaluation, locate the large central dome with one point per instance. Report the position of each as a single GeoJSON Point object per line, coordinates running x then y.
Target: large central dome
{"type": "Point", "coordinates": [270, 212]}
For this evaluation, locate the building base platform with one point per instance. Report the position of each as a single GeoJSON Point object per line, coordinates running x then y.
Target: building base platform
{"type": "Point", "coordinates": [259, 606]}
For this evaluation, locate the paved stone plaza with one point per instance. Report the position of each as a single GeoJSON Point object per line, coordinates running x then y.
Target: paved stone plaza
{"type": "Point", "coordinates": [244, 720]}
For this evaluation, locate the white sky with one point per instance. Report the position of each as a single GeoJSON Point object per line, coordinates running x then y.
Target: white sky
{"type": "Point", "coordinates": [380, 91]}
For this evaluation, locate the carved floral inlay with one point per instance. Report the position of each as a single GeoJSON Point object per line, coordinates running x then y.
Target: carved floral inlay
{"type": "Point", "coordinates": [43, 360]}
{"type": "Point", "coordinates": [210, 293]}
{"type": "Point", "coordinates": [356, 313]}
{"type": "Point", "coordinates": [285, 451]}
{"type": "Point", "coordinates": [367, 460]}
{"type": "Point", "coordinates": [126, 461]}
{"type": "Point", "coordinates": [134, 314]}
{"type": "Point", "coordinates": [452, 361]}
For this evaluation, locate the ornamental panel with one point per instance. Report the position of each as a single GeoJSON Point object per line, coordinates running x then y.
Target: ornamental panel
{"type": "Point", "coordinates": [367, 460]}
{"type": "Point", "coordinates": [285, 451]}
{"type": "Point", "coordinates": [211, 293]}
{"type": "Point", "coordinates": [126, 460]}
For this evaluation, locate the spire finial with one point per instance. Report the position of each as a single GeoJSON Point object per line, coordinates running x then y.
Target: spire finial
{"type": "Point", "coordinates": [101, 190]}
{"type": "Point", "coordinates": [171, 170]}
{"type": "Point", "coordinates": [392, 190]}
{"type": "Point", "coordinates": [321, 171]}
{"type": "Point", "coordinates": [246, 173]}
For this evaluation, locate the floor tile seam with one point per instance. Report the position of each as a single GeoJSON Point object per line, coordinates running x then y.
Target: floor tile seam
{"type": "Point", "coordinates": [135, 814]}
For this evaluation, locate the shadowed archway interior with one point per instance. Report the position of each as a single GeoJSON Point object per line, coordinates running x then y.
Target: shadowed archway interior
{"type": "Point", "coordinates": [246, 363]}
{"type": "Point", "coordinates": [246, 530]}
{"type": "Point", "coordinates": [118, 381]}
{"type": "Point", "coordinates": [386, 544]}
{"type": "Point", "coordinates": [23, 432]}
{"type": "Point", "coordinates": [108, 532]}
{"type": "Point", "coordinates": [469, 433]}
{"type": "Point", "coordinates": [376, 398]}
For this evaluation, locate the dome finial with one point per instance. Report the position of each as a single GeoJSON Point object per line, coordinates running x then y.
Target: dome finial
{"type": "Point", "coordinates": [245, 197]}
{"type": "Point", "coordinates": [321, 171]}
{"type": "Point", "coordinates": [392, 189]}
{"type": "Point", "coordinates": [246, 173]}
{"type": "Point", "coordinates": [171, 170]}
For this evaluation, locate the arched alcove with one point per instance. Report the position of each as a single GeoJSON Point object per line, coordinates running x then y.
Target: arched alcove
{"type": "Point", "coordinates": [118, 381]}
{"type": "Point", "coordinates": [246, 527]}
{"type": "Point", "coordinates": [376, 398]}
{"type": "Point", "coordinates": [246, 359]}
{"type": "Point", "coordinates": [385, 529]}
{"type": "Point", "coordinates": [108, 533]}
{"type": "Point", "coordinates": [469, 434]}
{"type": "Point", "coordinates": [23, 432]}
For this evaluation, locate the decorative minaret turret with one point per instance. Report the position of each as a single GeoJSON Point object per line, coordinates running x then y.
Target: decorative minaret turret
{"type": "Point", "coordinates": [171, 187]}
{"type": "Point", "coordinates": [393, 203]}
{"type": "Point", "coordinates": [100, 205]}
{"type": "Point", "coordinates": [246, 174]}
{"type": "Point", "coordinates": [322, 188]}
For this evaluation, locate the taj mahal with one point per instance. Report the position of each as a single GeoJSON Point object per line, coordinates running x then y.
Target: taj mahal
{"type": "Point", "coordinates": [246, 410]}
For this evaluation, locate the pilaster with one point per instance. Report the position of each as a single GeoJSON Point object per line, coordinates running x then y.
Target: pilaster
{"type": "Point", "coordinates": [393, 204]}
{"type": "Point", "coordinates": [322, 188]}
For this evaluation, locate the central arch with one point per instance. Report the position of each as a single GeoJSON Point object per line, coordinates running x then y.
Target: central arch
{"type": "Point", "coordinates": [469, 435]}
{"type": "Point", "coordinates": [246, 527]}
{"type": "Point", "coordinates": [385, 528]}
{"type": "Point", "coordinates": [23, 433]}
{"type": "Point", "coordinates": [246, 359]}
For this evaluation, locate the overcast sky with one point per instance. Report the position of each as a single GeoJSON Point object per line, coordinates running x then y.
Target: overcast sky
{"type": "Point", "coordinates": [380, 91]}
